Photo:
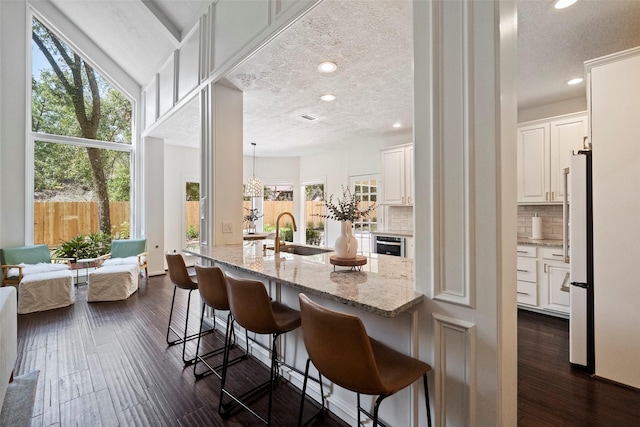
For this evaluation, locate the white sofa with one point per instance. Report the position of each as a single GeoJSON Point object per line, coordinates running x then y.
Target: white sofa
{"type": "Point", "coordinates": [8, 336]}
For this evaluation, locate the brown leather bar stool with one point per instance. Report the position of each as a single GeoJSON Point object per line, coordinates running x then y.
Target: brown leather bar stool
{"type": "Point", "coordinates": [361, 364]}
{"type": "Point", "coordinates": [181, 279]}
{"type": "Point", "coordinates": [252, 309]}
{"type": "Point", "coordinates": [212, 285]}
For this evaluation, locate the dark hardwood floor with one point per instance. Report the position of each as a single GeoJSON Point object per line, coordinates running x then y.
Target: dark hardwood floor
{"type": "Point", "coordinates": [108, 364]}
{"type": "Point", "coordinates": [552, 393]}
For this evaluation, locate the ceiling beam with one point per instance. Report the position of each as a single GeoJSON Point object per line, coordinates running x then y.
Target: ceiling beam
{"type": "Point", "coordinates": [172, 31]}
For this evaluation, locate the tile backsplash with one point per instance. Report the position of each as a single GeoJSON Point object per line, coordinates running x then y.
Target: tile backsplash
{"type": "Point", "coordinates": [399, 218]}
{"type": "Point", "coordinates": [551, 220]}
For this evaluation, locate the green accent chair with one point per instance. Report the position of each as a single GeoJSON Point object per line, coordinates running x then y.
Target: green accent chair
{"type": "Point", "coordinates": [43, 283]}
{"type": "Point", "coordinates": [127, 249]}
{"type": "Point", "coordinates": [12, 271]}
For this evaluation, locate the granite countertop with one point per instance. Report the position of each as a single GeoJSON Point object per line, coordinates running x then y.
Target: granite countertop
{"type": "Point", "coordinates": [390, 232]}
{"type": "Point", "coordinates": [554, 243]}
{"type": "Point", "coordinates": [384, 286]}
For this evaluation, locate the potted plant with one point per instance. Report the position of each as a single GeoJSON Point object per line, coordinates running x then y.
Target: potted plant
{"type": "Point", "coordinates": [346, 210]}
{"type": "Point", "coordinates": [84, 247]}
{"type": "Point", "coordinates": [251, 217]}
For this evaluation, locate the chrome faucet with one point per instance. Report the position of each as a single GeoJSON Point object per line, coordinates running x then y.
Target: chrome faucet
{"type": "Point", "coordinates": [276, 245]}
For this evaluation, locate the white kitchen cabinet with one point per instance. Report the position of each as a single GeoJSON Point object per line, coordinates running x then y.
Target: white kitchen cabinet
{"type": "Point", "coordinates": [527, 275]}
{"type": "Point", "coordinates": [409, 250]}
{"type": "Point", "coordinates": [397, 175]}
{"type": "Point", "coordinates": [544, 148]}
{"type": "Point", "coordinates": [543, 280]}
{"type": "Point", "coordinates": [555, 280]}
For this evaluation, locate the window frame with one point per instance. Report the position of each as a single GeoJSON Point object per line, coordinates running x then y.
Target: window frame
{"type": "Point", "coordinates": [135, 148]}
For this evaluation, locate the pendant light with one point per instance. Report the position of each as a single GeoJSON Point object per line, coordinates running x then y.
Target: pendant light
{"type": "Point", "coordinates": [253, 188]}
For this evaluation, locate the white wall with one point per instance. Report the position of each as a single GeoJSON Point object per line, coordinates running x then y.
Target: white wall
{"type": "Point", "coordinates": [181, 164]}
{"type": "Point", "coordinates": [13, 107]}
{"type": "Point", "coordinates": [556, 109]}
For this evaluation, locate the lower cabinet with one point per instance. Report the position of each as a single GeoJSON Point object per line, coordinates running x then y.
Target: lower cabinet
{"type": "Point", "coordinates": [543, 280]}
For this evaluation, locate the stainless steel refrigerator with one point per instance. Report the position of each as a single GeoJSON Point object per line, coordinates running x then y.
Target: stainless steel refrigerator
{"type": "Point", "coordinates": [581, 321]}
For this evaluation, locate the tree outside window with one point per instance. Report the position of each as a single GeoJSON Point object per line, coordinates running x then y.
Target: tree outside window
{"type": "Point", "coordinates": [71, 100]}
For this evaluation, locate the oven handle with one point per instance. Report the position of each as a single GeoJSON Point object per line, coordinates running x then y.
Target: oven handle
{"type": "Point", "coordinates": [382, 242]}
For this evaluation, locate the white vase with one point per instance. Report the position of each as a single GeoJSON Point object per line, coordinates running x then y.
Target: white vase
{"type": "Point", "coordinates": [346, 246]}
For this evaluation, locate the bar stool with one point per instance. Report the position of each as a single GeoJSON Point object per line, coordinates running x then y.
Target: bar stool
{"type": "Point", "coordinates": [212, 285]}
{"type": "Point", "coordinates": [341, 350]}
{"type": "Point", "coordinates": [252, 309]}
{"type": "Point", "coordinates": [181, 279]}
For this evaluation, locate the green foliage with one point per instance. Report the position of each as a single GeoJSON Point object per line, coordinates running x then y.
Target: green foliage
{"type": "Point", "coordinates": [314, 192]}
{"type": "Point", "coordinates": [120, 233]}
{"type": "Point", "coordinates": [192, 232]}
{"type": "Point", "coordinates": [193, 191]}
{"type": "Point", "coordinates": [82, 247]}
{"type": "Point", "coordinates": [313, 237]}
{"type": "Point", "coordinates": [286, 233]}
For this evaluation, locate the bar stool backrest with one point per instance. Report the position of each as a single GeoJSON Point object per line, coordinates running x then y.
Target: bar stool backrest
{"type": "Point", "coordinates": [250, 305]}
{"type": "Point", "coordinates": [178, 272]}
{"type": "Point", "coordinates": [339, 347]}
{"type": "Point", "coordinates": [212, 285]}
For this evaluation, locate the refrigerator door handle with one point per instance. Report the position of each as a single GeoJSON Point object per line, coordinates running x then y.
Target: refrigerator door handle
{"type": "Point", "coordinates": [565, 216]}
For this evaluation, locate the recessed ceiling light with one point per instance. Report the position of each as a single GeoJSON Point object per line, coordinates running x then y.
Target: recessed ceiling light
{"type": "Point", "coordinates": [561, 4]}
{"type": "Point", "coordinates": [327, 67]}
{"type": "Point", "coordinates": [397, 125]}
{"type": "Point", "coordinates": [328, 97]}
{"type": "Point", "coordinates": [575, 81]}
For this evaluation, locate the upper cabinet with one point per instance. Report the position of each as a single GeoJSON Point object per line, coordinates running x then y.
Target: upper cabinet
{"type": "Point", "coordinates": [544, 151]}
{"type": "Point", "coordinates": [397, 175]}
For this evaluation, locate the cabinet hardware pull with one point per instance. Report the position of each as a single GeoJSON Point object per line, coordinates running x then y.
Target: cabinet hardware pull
{"type": "Point", "coordinates": [523, 252]}
{"type": "Point", "coordinates": [523, 271]}
{"type": "Point", "coordinates": [545, 267]}
{"type": "Point", "coordinates": [403, 200]}
{"type": "Point", "coordinates": [553, 195]}
{"type": "Point", "coordinates": [546, 195]}
{"type": "Point", "coordinates": [562, 255]}
{"type": "Point", "coordinates": [522, 293]}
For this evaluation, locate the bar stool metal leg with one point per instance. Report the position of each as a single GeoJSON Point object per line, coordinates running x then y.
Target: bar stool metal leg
{"type": "Point", "coordinates": [183, 338]}
{"type": "Point", "coordinates": [202, 358]}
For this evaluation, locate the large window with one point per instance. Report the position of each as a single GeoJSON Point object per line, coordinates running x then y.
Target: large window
{"type": "Point", "coordinates": [82, 145]}
{"type": "Point", "coordinates": [313, 208]}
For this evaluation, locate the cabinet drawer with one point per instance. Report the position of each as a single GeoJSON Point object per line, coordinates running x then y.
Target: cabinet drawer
{"type": "Point", "coordinates": [527, 251]}
{"type": "Point", "coordinates": [527, 269]}
{"type": "Point", "coordinates": [527, 293]}
{"type": "Point", "coordinates": [552, 254]}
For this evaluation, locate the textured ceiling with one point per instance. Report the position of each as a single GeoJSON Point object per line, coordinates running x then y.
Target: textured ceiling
{"type": "Point", "coordinates": [553, 44]}
{"type": "Point", "coordinates": [371, 42]}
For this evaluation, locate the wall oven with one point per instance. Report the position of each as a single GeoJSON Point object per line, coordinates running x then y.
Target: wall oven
{"type": "Point", "coordinates": [389, 245]}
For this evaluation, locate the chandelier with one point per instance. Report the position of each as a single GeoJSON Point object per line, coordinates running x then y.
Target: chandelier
{"type": "Point", "coordinates": [253, 187]}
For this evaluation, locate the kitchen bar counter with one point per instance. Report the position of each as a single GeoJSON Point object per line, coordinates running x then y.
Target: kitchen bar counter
{"type": "Point", "coordinates": [384, 286]}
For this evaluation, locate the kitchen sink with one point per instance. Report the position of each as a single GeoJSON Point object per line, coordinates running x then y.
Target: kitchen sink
{"type": "Point", "coordinates": [304, 250]}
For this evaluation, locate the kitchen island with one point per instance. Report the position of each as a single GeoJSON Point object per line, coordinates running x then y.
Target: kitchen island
{"type": "Point", "coordinates": [381, 294]}
{"type": "Point", "coordinates": [384, 286]}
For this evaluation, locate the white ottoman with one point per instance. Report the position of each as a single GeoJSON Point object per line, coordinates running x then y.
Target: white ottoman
{"type": "Point", "coordinates": [113, 282]}
{"type": "Point", "coordinates": [46, 291]}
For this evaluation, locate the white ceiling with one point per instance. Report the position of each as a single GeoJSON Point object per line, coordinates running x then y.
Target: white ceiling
{"type": "Point", "coordinates": [371, 43]}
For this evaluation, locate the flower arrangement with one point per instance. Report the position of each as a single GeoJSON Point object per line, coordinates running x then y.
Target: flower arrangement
{"type": "Point", "coordinates": [252, 215]}
{"type": "Point", "coordinates": [347, 208]}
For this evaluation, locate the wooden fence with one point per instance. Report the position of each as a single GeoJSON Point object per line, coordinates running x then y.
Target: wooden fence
{"type": "Point", "coordinates": [58, 221]}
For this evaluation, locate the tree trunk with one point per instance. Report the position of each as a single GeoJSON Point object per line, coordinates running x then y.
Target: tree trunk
{"type": "Point", "coordinates": [100, 187]}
